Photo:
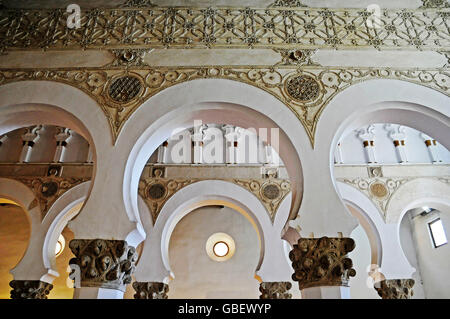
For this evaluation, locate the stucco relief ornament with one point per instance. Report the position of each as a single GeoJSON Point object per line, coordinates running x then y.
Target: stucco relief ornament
{"type": "Point", "coordinates": [30, 289]}
{"type": "Point", "coordinates": [395, 288]}
{"type": "Point", "coordinates": [322, 262]}
{"type": "Point", "coordinates": [275, 290]}
{"type": "Point", "coordinates": [103, 263]}
{"type": "Point", "coordinates": [150, 290]}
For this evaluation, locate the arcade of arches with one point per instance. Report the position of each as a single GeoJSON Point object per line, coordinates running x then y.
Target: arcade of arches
{"type": "Point", "coordinates": [254, 149]}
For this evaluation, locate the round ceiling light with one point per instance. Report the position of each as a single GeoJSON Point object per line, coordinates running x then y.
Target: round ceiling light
{"type": "Point", "coordinates": [60, 244]}
{"type": "Point", "coordinates": [220, 247]}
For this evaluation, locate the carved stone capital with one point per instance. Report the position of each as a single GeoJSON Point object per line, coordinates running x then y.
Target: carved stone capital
{"type": "Point", "coordinates": [150, 290]}
{"type": "Point", "coordinates": [322, 262]}
{"type": "Point", "coordinates": [30, 289]}
{"type": "Point", "coordinates": [275, 290]}
{"type": "Point", "coordinates": [103, 263]}
{"type": "Point", "coordinates": [395, 288]}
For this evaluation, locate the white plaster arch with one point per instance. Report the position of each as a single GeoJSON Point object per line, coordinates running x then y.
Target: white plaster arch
{"type": "Point", "coordinates": [64, 209]}
{"type": "Point", "coordinates": [373, 101]}
{"type": "Point", "coordinates": [417, 193]}
{"type": "Point", "coordinates": [155, 265]}
{"type": "Point", "coordinates": [38, 262]}
{"type": "Point", "coordinates": [209, 100]}
{"type": "Point", "coordinates": [389, 256]}
{"type": "Point", "coordinates": [27, 103]}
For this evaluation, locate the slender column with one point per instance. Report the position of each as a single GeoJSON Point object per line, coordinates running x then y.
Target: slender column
{"type": "Point", "coordinates": [322, 267]}
{"type": "Point", "coordinates": [62, 138]}
{"type": "Point", "coordinates": [275, 290]}
{"type": "Point", "coordinates": [398, 136]}
{"type": "Point", "coordinates": [368, 138]}
{"type": "Point", "coordinates": [197, 139]}
{"type": "Point", "coordinates": [395, 288]}
{"type": "Point", "coordinates": [162, 153]}
{"type": "Point", "coordinates": [431, 146]}
{"type": "Point", "coordinates": [231, 138]}
{"type": "Point", "coordinates": [29, 139]}
{"type": "Point", "coordinates": [338, 159]}
{"type": "Point", "coordinates": [29, 289]}
{"type": "Point", "coordinates": [103, 266]}
{"type": "Point", "coordinates": [150, 290]}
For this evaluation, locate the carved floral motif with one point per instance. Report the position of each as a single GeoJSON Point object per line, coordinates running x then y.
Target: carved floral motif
{"type": "Point", "coordinates": [30, 289]}
{"type": "Point", "coordinates": [395, 288]}
{"type": "Point", "coordinates": [150, 290]}
{"type": "Point", "coordinates": [322, 262]}
{"type": "Point", "coordinates": [275, 290]}
{"type": "Point", "coordinates": [323, 84]}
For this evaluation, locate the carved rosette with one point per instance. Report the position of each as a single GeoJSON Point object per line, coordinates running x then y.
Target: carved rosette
{"type": "Point", "coordinates": [150, 290]}
{"type": "Point", "coordinates": [30, 289]}
{"type": "Point", "coordinates": [322, 262]}
{"type": "Point", "coordinates": [103, 263]}
{"type": "Point", "coordinates": [395, 288]}
{"type": "Point", "coordinates": [275, 290]}
{"type": "Point", "coordinates": [270, 192]}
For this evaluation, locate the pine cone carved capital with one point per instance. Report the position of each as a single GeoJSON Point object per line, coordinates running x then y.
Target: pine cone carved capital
{"type": "Point", "coordinates": [275, 290]}
{"type": "Point", "coordinates": [395, 288]}
{"type": "Point", "coordinates": [322, 262]}
{"type": "Point", "coordinates": [150, 290]}
{"type": "Point", "coordinates": [103, 263]}
{"type": "Point", "coordinates": [29, 289]}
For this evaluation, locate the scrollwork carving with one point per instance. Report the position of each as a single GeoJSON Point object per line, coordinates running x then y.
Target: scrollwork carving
{"type": "Point", "coordinates": [30, 289]}
{"type": "Point", "coordinates": [150, 290]}
{"type": "Point", "coordinates": [103, 263]}
{"type": "Point", "coordinates": [275, 290]}
{"type": "Point", "coordinates": [323, 84]}
{"type": "Point", "coordinates": [322, 262]}
{"type": "Point", "coordinates": [395, 288]}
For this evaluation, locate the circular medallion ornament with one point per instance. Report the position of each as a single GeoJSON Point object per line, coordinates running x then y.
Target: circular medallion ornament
{"type": "Point", "coordinates": [156, 191]}
{"type": "Point", "coordinates": [271, 191]}
{"type": "Point", "coordinates": [378, 190]}
{"type": "Point", "coordinates": [49, 189]}
{"type": "Point", "coordinates": [302, 88]}
{"type": "Point", "coordinates": [124, 89]}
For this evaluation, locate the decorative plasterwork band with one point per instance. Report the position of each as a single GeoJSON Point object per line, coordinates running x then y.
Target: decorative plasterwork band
{"type": "Point", "coordinates": [381, 189]}
{"type": "Point", "coordinates": [225, 28]}
{"type": "Point", "coordinates": [157, 191]}
{"type": "Point", "coordinates": [305, 90]}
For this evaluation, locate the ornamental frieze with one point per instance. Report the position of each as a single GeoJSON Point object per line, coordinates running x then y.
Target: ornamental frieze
{"type": "Point", "coordinates": [305, 90]}
{"type": "Point", "coordinates": [181, 27]}
{"type": "Point", "coordinates": [48, 189]}
{"type": "Point", "coordinates": [381, 189]}
{"type": "Point", "coordinates": [156, 191]}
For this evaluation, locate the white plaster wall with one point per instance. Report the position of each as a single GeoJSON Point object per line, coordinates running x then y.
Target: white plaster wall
{"type": "Point", "coordinates": [385, 153]}
{"type": "Point", "coordinates": [196, 275]}
{"type": "Point", "coordinates": [409, 248]}
{"type": "Point", "coordinates": [361, 257]}
{"type": "Point", "coordinates": [434, 262]}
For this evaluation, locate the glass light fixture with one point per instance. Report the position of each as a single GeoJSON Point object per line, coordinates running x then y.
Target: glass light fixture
{"type": "Point", "coordinates": [221, 249]}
